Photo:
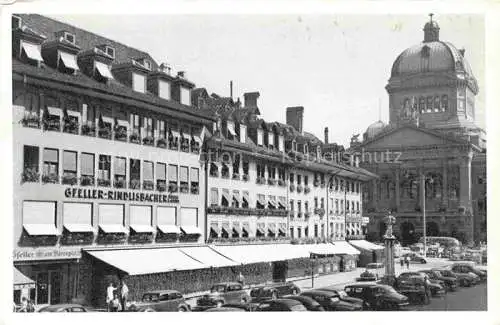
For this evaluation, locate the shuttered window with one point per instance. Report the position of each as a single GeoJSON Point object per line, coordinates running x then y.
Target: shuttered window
{"type": "Point", "coordinates": [148, 171]}
{"type": "Point", "coordinates": [120, 166]}
{"type": "Point", "coordinates": [172, 173]}
{"type": "Point", "coordinates": [111, 214]}
{"type": "Point", "coordinates": [161, 171]}
{"type": "Point", "coordinates": [87, 164]}
{"type": "Point", "coordinates": [69, 161]}
{"type": "Point", "coordinates": [140, 215]}
{"type": "Point", "coordinates": [189, 217]}
{"type": "Point", "coordinates": [167, 215]}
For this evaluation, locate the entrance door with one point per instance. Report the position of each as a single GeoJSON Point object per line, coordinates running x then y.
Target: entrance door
{"type": "Point", "coordinates": [48, 287]}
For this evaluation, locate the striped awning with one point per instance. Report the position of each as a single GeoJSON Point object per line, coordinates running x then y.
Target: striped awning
{"type": "Point", "coordinates": [246, 197]}
{"type": "Point", "coordinates": [226, 227]}
{"type": "Point", "coordinates": [261, 227]}
{"type": "Point", "coordinates": [272, 201]}
{"type": "Point", "coordinates": [246, 227]}
{"type": "Point", "coordinates": [214, 226]}
{"type": "Point", "coordinates": [271, 228]}
{"type": "Point", "coordinates": [282, 202]}
{"type": "Point", "coordinates": [236, 227]}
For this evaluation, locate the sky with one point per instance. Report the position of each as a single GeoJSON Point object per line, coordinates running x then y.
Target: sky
{"type": "Point", "coordinates": [335, 66]}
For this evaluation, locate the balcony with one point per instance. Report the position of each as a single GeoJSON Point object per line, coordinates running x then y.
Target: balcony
{"type": "Point", "coordinates": [261, 180]}
{"type": "Point", "coordinates": [243, 240]}
{"type": "Point", "coordinates": [71, 126]}
{"type": "Point", "coordinates": [119, 183]}
{"type": "Point", "coordinates": [245, 177]}
{"type": "Point", "coordinates": [148, 185]}
{"type": "Point", "coordinates": [121, 133]}
{"type": "Point", "coordinates": [225, 173]}
{"type": "Point", "coordinates": [173, 188]}
{"type": "Point", "coordinates": [195, 188]}
{"type": "Point", "coordinates": [88, 129]}
{"type": "Point", "coordinates": [184, 188]}
{"type": "Point", "coordinates": [103, 182]}
{"type": "Point", "coordinates": [52, 123]}
{"type": "Point", "coordinates": [87, 180]}
{"type": "Point", "coordinates": [247, 211]}
{"type": "Point", "coordinates": [31, 121]}
{"type": "Point", "coordinates": [135, 184]}
{"type": "Point", "coordinates": [50, 178]}
{"type": "Point", "coordinates": [271, 181]}
{"type": "Point", "coordinates": [104, 133]}
{"type": "Point", "coordinates": [316, 183]}
{"type": "Point", "coordinates": [185, 145]}
{"type": "Point", "coordinates": [307, 214]}
{"type": "Point", "coordinates": [69, 179]}
{"type": "Point", "coordinates": [161, 143]}
{"type": "Point", "coordinates": [292, 187]}
{"type": "Point", "coordinates": [299, 188]}
{"type": "Point", "coordinates": [161, 185]}
{"type": "Point", "coordinates": [319, 211]}
{"type": "Point", "coordinates": [281, 183]}
{"type": "Point", "coordinates": [236, 176]}
{"type": "Point", "coordinates": [135, 138]}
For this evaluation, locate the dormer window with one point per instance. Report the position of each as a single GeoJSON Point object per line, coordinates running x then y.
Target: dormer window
{"type": "Point", "coordinates": [230, 130]}
{"type": "Point", "coordinates": [69, 37]}
{"type": "Point", "coordinates": [67, 62]}
{"type": "Point", "coordinates": [185, 96]}
{"type": "Point", "coordinates": [16, 22]}
{"type": "Point", "coordinates": [243, 133]}
{"type": "Point", "coordinates": [147, 64]}
{"type": "Point", "coordinates": [164, 89]}
{"type": "Point", "coordinates": [31, 52]}
{"type": "Point", "coordinates": [139, 82]}
{"type": "Point", "coordinates": [281, 143]}
{"type": "Point", "coordinates": [260, 137]}
{"type": "Point", "coordinates": [270, 141]}
{"type": "Point", "coordinates": [102, 70]}
{"type": "Point", "coordinates": [110, 51]}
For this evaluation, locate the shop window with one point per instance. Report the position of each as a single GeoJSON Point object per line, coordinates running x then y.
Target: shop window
{"type": "Point", "coordinates": [161, 177]}
{"type": "Point", "coordinates": [173, 179]}
{"type": "Point", "coordinates": [147, 174]}
{"type": "Point", "coordinates": [50, 166]}
{"type": "Point", "coordinates": [214, 196]}
{"type": "Point", "coordinates": [119, 169]}
{"type": "Point", "coordinates": [69, 167]}
{"type": "Point", "coordinates": [195, 180]}
{"type": "Point", "coordinates": [87, 169]}
{"type": "Point", "coordinates": [31, 164]}
{"type": "Point", "coordinates": [135, 174]}
{"type": "Point", "coordinates": [184, 179]}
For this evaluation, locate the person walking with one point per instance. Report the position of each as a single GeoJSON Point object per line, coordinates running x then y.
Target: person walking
{"type": "Point", "coordinates": [124, 295]}
{"type": "Point", "coordinates": [110, 294]}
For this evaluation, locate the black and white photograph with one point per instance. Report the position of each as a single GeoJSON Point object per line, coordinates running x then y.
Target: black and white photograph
{"type": "Point", "coordinates": [231, 162]}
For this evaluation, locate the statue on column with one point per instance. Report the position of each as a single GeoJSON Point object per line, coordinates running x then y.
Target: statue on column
{"type": "Point", "coordinates": [389, 221]}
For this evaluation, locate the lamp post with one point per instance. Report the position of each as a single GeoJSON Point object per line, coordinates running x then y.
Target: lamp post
{"type": "Point", "coordinates": [423, 179]}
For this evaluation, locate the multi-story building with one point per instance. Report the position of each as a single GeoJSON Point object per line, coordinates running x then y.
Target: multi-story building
{"type": "Point", "coordinates": [106, 153]}
{"type": "Point", "coordinates": [269, 181]}
{"type": "Point", "coordinates": [432, 154]}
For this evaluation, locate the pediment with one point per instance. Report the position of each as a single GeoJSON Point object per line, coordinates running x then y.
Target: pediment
{"type": "Point", "coordinates": [407, 137]}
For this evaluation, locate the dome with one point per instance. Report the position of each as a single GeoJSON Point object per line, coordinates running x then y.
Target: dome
{"type": "Point", "coordinates": [374, 129]}
{"type": "Point", "coordinates": [435, 56]}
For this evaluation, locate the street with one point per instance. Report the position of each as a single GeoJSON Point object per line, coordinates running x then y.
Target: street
{"type": "Point", "coordinates": [464, 299]}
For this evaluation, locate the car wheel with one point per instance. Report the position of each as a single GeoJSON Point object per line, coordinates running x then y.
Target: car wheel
{"type": "Point", "coordinates": [182, 309]}
{"type": "Point", "coordinates": [149, 310]}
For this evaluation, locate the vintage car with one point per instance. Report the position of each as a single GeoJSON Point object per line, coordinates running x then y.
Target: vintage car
{"type": "Point", "coordinates": [436, 287]}
{"type": "Point", "coordinates": [331, 301]}
{"type": "Point", "coordinates": [463, 279]}
{"type": "Point", "coordinates": [273, 291]}
{"type": "Point", "coordinates": [415, 258]}
{"type": "Point", "coordinates": [224, 309]}
{"type": "Point", "coordinates": [65, 308]}
{"type": "Point", "coordinates": [451, 283]}
{"type": "Point", "coordinates": [367, 276]}
{"type": "Point", "coordinates": [160, 300]}
{"type": "Point", "coordinates": [281, 305]}
{"type": "Point", "coordinates": [343, 295]}
{"type": "Point", "coordinates": [377, 296]}
{"type": "Point", "coordinates": [224, 293]}
{"type": "Point", "coordinates": [414, 286]}
{"type": "Point", "coordinates": [466, 267]}
{"type": "Point", "coordinates": [309, 303]}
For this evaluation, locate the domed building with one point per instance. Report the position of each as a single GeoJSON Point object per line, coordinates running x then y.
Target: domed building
{"type": "Point", "coordinates": [431, 156]}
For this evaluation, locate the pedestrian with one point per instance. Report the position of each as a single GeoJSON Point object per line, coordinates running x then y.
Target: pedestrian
{"type": "Point", "coordinates": [241, 279]}
{"type": "Point", "coordinates": [115, 303]}
{"type": "Point", "coordinates": [407, 261]}
{"type": "Point", "coordinates": [110, 292]}
{"type": "Point", "coordinates": [24, 305]}
{"type": "Point", "coordinates": [124, 295]}
{"type": "Point", "coordinates": [31, 306]}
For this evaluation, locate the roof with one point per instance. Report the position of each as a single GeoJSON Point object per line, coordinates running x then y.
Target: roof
{"type": "Point", "coordinates": [85, 39]}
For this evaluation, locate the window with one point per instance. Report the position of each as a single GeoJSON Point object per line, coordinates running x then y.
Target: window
{"type": "Point", "coordinates": [291, 233]}
{"type": "Point", "coordinates": [444, 103]}
{"type": "Point", "coordinates": [347, 205]}
{"type": "Point", "coordinates": [306, 231]}
{"type": "Point", "coordinates": [111, 218]}
{"type": "Point", "coordinates": [135, 125]}
{"type": "Point", "coordinates": [281, 141]}
{"type": "Point", "coordinates": [299, 232]}
{"type": "Point", "coordinates": [306, 206]}
{"type": "Point", "coordinates": [161, 177]}
{"type": "Point", "coordinates": [421, 104]}
{"type": "Point", "coordinates": [195, 180]}
{"type": "Point", "coordinates": [110, 51]}
{"type": "Point", "coordinates": [214, 196]}
{"type": "Point", "coordinates": [299, 206]}
{"type": "Point", "coordinates": [87, 168]}
{"type": "Point", "coordinates": [245, 167]}
{"type": "Point", "coordinates": [291, 178]}
{"type": "Point", "coordinates": [246, 200]}
{"type": "Point", "coordinates": [306, 180]}
{"type": "Point", "coordinates": [39, 218]}
{"type": "Point", "coordinates": [147, 175]}
{"type": "Point", "coordinates": [243, 133]}
{"type": "Point", "coordinates": [236, 199]}
{"type": "Point", "coordinates": [31, 163]}
{"type": "Point", "coordinates": [119, 169]}
{"type": "Point", "coordinates": [291, 206]}
{"type": "Point", "coordinates": [172, 178]}
{"type": "Point", "coordinates": [163, 89]}
{"type": "Point", "coordinates": [322, 203]}
{"type": "Point", "coordinates": [135, 173]}
{"type": "Point", "coordinates": [189, 217]}
{"type": "Point", "coordinates": [272, 202]}
{"type": "Point", "coordinates": [184, 178]}
{"type": "Point", "coordinates": [341, 206]}
{"type": "Point", "coordinates": [31, 52]}
{"type": "Point", "coordinates": [437, 104]}
{"type": "Point", "coordinates": [270, 142]}
{"type": "Point", "coordinates": [260, 137]}
{"type": "Point", "coordinates": [272, 172]}
{"type": "Point", "coordinates": [77, 217]}
{"type": "Point", "coordinates": [162, 130]}
{"type": "Point", "coordinates": [429, 104]}
{"type": "Point", "coordinates": [357, 206]}
{"type": "Point", "coordinates": [16, 22]}
{"type": "Point", "coordinates": [299, 179]}
{"type": "Point", "coordinates": [141, 218]}
{"type": "Point", "coordinates": [261, 201]}
{"type": "Point", "coordinates": [185, 96]}
{"type": "Point", "coordinates": [67, 62]}
{"type": "Point", "coordinates": [104, 170]}
{"type": "Point", "coordinates": [336, 206]}
{"type": "Point", "coordinates": [316, 231]}
{"type": "Point", "coordinates": [352, 206]}
{"type": "Point", "coordinates": [316, 202]}
{"type": "Point", "coordinates": [51, 165]}
{"type": "Point", "coordinates": [148, 127]}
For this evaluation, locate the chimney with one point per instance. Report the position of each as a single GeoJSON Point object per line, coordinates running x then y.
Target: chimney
{"type": "Point", "coordinates": [251, 99]}
{"type": "Point", "coordinates": [326, 135]}
{"type": "Point", "coordinates": [295, 117]}
{"type": "Point", "coordinates": [462, 52]}
{"type": "Point", "coordinates": [231, 89]}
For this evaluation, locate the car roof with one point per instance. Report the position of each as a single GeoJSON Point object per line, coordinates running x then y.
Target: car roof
{"type": "Point", "coordinates": [288, 302]}
{"type": "Point", "coordinates": [160, 292]}
{"type": "Point", "coordinates": [362, 285]}
{"type": "Point", "coordinates": [215, 309]}
{"type": "Point", "coordinates": [62, 306]}
{"type": "Point", "coordinates": [319, 292]}
{"type": "Point", "coordinates": [300, 298]}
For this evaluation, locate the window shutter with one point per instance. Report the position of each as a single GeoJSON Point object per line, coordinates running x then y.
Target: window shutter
{"type": "Point", "coordinates": [195, 175]}
{"type": "Point", "coordinates": [161, 171]}
{"type": "Point", "coordinates": [172, 173]}
{"type": "Point", "coordinates": [184, 174]}
{"type": "Point", "coordinates": [148, 171]}
{"type": "Point", "coordinates": [50, 155]}
{"type": "Point", "coordinates": [69, 161]}
{"type": "Point", "coordinates": [119, 166]}
{"type": "Point", "coordinates": [87, 164]}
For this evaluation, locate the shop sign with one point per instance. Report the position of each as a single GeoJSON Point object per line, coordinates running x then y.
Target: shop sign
{"type": "Point", "coordinates": [36, 254]}
{"type": "Point", "coordinates": [113, 195]}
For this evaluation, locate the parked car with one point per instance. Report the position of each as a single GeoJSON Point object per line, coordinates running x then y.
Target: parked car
{"type": "Point", "coordinates": [65, 308]}
{"type": "Point", "coordinates": [463, 279]}
{"type": "Point", "coordinates": [245, 306]}
{"type": "Point", "coordinates": [308, 302]}
{"type": "Point", "coordinates": [273, 291]}
{"type": "Point", "coordinates": [414, 286]}
{"type": "Point", "coordinates": [436, 287]}
{"type": "Point", "coordinates": [331, 301]}
{"type": "Point", "coordinates": [450, 283]}
{"type": "Point", "coordinates": [223, 293]}
{"type": "Point", "coordinates": [415, 257]}
{"type": "Point", "coordinates": [343, 296]}
{"type": "Point", "coordinates": [377, 296]}
{"type": "Point", "coordinates": [367, 276]}
{"type": "Point", "coordinates": [466, 267]}
{"type": "Point", "coordinates": [160, 300]}
{"type": "Point", "coordinates": [223, 309]}
{"type": "Point", "coordinates": [281, 305]}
